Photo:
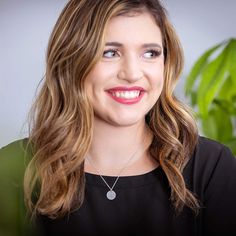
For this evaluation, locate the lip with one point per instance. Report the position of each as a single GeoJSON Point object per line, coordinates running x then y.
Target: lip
{"type": "Point", "coordinates": [123, 100]}
{"type": "Point", "coordinates": [122, 88]}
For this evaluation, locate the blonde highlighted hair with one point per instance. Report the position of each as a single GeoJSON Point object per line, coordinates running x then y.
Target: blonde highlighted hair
{"type": "Point", "coordinates": [62, 117]}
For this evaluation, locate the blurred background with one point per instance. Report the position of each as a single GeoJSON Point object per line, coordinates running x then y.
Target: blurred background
{"type": "Point", "coordinates": [25, 27]}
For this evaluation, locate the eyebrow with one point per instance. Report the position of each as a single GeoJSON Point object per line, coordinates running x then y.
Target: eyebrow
{"type": "Point", "coordinates": [146, 45]}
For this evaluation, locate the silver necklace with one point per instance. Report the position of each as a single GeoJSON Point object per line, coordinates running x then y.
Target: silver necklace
{"type": "Point", "coordinates": [111, 194]}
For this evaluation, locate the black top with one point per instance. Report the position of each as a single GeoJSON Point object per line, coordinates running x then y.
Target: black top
{"type": "Point", "coordinates": [142, 206]}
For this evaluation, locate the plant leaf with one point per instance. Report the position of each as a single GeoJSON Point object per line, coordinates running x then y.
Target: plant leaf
{"type": "Point", "coordinates": [226, 106]}
{"type": "Point", "coordinates": [228, 90]}
{"type": "Point", "coordinates": [232, 145]}
{"type": "Point", "coordinates": [214, 128]}
{"type": "Point", "coordinates": [233, 61]}
{"type": "Point", "coordinates": [213, 78]}
{"type": "Point", "coordinates": [209, 127]}
{"type": "Point", "coordinates": [198, 67]}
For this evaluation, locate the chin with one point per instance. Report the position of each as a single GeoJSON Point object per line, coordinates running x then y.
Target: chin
{"type": "Point", "coordinates": [125, 122]}
{"type": "Point", "coordinates": [119, 119]}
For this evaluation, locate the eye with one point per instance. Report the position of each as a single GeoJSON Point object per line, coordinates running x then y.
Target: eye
{"type": "Point", "coordinates": [152, 54]}
{"type": "Point", "coordinates": [110, 53]}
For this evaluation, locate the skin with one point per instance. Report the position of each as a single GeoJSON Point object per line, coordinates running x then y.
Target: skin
{"type": "Point", "coordinates": [135, 59]}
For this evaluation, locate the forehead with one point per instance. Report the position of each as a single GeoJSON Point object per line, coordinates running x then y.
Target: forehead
{"type": "Point", "coordinates": [135, 28]}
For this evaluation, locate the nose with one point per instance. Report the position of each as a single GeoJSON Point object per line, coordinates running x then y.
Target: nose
{"type": "Point", "coordinates": [130, 70]}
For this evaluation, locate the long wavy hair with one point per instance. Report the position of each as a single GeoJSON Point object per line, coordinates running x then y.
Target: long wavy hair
{"type": "Point", "coordinates": [61, 121]}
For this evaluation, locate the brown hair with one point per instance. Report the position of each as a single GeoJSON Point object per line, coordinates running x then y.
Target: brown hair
{"type": "Point", "coordinates": [62, 117]}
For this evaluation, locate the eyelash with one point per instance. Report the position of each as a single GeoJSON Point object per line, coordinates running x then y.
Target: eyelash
{"type": "Point", "coordinates": [156, 53]}
{"type": "Point", "coordinates": [110, 50]}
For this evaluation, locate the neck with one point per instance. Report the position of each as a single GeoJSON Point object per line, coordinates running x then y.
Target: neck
{"type": "Point", "coordinates": [113, 146]}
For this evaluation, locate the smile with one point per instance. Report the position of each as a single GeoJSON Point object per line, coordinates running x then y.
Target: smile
{"type": "Point", "coordinates": [126, 97]}
{"type": "Point", "coordinates": [126, 94]}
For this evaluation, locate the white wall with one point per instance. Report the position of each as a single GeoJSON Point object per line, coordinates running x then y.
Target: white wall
{"type": "Point", "coordinates": [25, 26]}
{"type": "Point", "coordinates": [200, 25]}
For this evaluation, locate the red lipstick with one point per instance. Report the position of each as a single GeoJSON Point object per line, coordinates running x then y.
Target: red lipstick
{"type": "Point", "coordinates": [117, 95]}
{"type": "Point", "coordinates": [122, 88]}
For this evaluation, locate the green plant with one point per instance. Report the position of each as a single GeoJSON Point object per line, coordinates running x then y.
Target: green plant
{"type": "Point", "coordinates": [211, 86]}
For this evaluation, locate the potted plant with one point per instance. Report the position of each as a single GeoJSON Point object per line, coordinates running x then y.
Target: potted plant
{"type": "Point", "coordinates": [211, 87]}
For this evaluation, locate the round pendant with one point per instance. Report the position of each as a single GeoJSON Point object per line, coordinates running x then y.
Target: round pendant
{"type": "Point", "coordinates": [111, 195]}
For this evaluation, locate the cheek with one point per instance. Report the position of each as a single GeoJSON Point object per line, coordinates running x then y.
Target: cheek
{"type": "Point", "coordinates": [157, 78]}
{"type": "Point", "coordinates": [100, 75]}
{"type": "Point", "coordinates": [93, 79]}
{"type": "Point", "coordinates": [90, 85]}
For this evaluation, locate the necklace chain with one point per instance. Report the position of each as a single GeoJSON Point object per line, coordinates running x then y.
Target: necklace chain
{"type": "Point", "coordinates": [111, 195]}
{"type": "Point", "coordinates": [111, 188]}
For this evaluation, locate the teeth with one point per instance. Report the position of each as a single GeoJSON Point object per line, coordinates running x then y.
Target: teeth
{"type": "Point", "coordinates": [126, 94]}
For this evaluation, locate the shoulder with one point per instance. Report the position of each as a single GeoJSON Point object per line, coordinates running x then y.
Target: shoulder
{"type": "Point", "coordinates": [15, 149]}
{"type": "Point", "coordinates": [212, 173]}
{"type": "Point", "coordinates": [209, 158]}
{"type": "Point", "coordinates": [206, 145]}
{"type": "Point", "coordinates": [210, 162]}
{"type": "Point", "coordinates": [15, 146]}
{"type": "Point", "coordinates": [14, 157]}
{"type": "Point", "coordinates": [209, 153]}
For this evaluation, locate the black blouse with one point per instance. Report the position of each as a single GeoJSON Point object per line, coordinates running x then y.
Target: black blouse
{"type": "Point", "coordinates": [142, 206]}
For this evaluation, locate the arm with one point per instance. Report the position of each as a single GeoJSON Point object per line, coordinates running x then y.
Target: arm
{"type": "Point", "coordinates": [219, 213]}
{"type": "Point", "coordinates": [13, 220]}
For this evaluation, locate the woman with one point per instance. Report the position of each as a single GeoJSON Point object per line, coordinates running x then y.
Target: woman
{"type": "Point", "coordinates": [111, 150]}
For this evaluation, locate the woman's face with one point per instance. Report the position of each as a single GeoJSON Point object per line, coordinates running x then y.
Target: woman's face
{"type": "Point", "coordinates": [127, 81]}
